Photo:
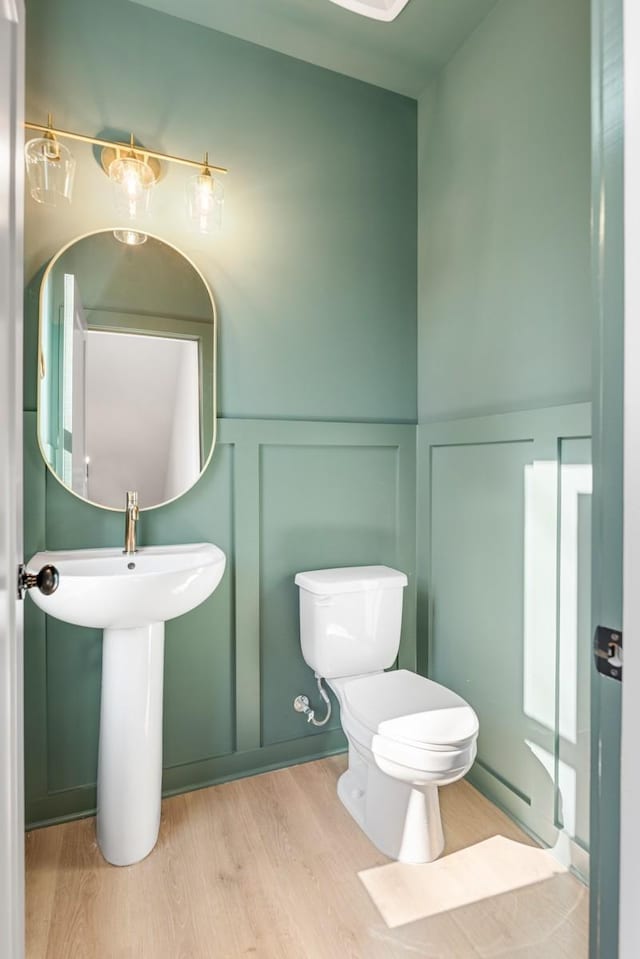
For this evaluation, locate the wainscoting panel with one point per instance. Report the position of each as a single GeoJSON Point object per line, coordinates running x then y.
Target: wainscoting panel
{"type": "Point", "coordinates": [503, 518]}
{"type": "Point", "coordinates": [279, 496]}
{"type": "Point", "coordinates": [477, 552]}
{"type": "Point", "coordinates": [320, 507]}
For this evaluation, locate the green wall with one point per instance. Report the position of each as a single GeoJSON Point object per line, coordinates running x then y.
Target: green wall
{"type": "Point", "coordinates": [315, 272]}
{"type": "Point", "coordinates": [314, 277]}
{"type": "Point", "coordinates": [504, 207]}
{"type": "Point", "coordinates": [504, 368]}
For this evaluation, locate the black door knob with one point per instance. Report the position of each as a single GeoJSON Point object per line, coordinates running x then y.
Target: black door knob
{"type": "Point", "coordinates": [48, 580]}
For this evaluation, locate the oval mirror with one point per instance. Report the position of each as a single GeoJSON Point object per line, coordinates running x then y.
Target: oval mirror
{"type": "Point", "coordinates": [127, 378]}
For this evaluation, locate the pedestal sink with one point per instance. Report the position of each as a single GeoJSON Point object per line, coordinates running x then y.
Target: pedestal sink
{"type": "Point", "coordinates": [129, 597]}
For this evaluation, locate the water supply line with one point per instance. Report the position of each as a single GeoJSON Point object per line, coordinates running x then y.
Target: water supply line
{"type": "Point", "coordinates": [301, 705]}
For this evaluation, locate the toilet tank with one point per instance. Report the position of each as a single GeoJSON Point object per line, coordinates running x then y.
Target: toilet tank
{"type": "Point", "coordinates": [350, 619]}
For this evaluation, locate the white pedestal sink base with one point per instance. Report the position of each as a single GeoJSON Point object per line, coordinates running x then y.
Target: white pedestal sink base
{"type": "Point", "coordinates": [109, 590]}
{"type": "Point", "coordinates": [130, 750]}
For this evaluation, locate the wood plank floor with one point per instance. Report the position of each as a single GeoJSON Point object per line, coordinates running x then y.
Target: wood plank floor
{"type": "Point", "coordinates": [273, 867]}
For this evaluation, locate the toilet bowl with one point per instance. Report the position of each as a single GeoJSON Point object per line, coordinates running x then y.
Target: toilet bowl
{"type": "Point", "coordinates": [407, 735]}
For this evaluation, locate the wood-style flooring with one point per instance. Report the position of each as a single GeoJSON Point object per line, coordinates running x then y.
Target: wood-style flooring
{"type": "Point", "coordinates": [273, 867]}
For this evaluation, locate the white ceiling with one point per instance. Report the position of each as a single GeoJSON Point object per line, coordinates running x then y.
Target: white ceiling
{"type": "Point", "coordinates": [402, 55]}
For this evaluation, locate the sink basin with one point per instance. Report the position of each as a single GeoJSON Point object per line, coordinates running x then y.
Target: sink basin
{"type": "Point", "coordinates": [130, 598]}
{"type": "Point", "coordinates": [105, 589]}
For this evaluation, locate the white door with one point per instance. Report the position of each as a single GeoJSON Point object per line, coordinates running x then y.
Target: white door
{"type": "Point", "coordinates": [630, 777]}
{"type": "Point", "coordinates": [11, 708]}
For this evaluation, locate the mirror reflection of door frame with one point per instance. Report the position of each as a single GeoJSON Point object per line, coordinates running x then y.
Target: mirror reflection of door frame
{"type": "Point", "coordinates": [73, 447]}
{"type": "Point", "coordinates": [156, 379]}
{"type": "Point", "coordinates": [193, 329]}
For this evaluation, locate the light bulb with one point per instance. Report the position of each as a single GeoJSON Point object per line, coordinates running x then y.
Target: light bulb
{"type": "Point", "coordinates": [132, 180]}
{"type": "Point", "coordinates": [205, 199]}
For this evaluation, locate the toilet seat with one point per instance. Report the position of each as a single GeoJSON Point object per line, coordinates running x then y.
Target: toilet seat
{"type": "Point", "coordinates": [403, 715]}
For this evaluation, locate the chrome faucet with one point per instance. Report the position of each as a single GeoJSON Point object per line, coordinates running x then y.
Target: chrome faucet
{"type": "Point", "coordinates": [130, 523]}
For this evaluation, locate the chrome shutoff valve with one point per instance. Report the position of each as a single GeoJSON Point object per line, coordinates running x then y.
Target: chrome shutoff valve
{"type": "Point", "coordinates": [301, 705]}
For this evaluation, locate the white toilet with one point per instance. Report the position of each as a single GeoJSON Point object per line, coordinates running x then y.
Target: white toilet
{"type": "Point", "coordinates": [407, 735]}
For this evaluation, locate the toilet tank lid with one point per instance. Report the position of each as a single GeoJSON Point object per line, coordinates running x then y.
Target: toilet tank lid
{"type": "Point", "coordinates": [350, 579]}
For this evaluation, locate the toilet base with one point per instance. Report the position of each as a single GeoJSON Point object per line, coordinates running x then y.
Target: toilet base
{"type": "Point", "coordinates": [401, 820]}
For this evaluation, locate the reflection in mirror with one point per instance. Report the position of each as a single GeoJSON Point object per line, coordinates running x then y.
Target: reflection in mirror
{"type": "Point", "coordinates": [126, 397]}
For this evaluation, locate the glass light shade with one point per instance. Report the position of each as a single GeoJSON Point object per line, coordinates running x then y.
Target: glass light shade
{"type": "Point", "coordinates": [132, 180]}
{"type": "Point", "coordinates": [130, 237]}
{"type": "Point", "coordinates": [205, 198]}
{"type": "Point", "coordinates": [50, 168]}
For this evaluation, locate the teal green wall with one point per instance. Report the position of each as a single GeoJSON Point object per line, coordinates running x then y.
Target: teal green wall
{"type": "Point", "coordinates": [504, 271]}
{"type": "Point", "coordinates": [504, 370]}
{"type": "Point", "coordinates": [315, 272]}
{"type": "Point", "coordinates": [315, 282]}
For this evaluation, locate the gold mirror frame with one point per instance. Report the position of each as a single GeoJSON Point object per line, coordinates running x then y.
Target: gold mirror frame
{"type": "Point", "coordinates": [40, 362]}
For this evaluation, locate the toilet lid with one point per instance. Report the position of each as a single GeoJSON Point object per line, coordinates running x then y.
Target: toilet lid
{"type": "Point", "coordinates": [403, 706]}
{"type": "Point", "coordinates": [350, 579]}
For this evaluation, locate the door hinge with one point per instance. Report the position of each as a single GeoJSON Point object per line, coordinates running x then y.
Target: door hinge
{"type": "Point", "coordinates": [607, 648]}
{"type": "Point", "coordinates": [22, 581]}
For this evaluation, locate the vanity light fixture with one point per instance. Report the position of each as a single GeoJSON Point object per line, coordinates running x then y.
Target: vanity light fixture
{"type": "Point", "coordinates": [50, 168]}
{"type": "Point", "coordinates": [133, 171]}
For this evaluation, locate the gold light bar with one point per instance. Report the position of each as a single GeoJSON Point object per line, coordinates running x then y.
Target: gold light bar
{"type": "Point", "coordinates": [96, 141]}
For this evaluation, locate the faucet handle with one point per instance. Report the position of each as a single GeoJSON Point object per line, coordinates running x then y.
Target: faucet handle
{"type": "Point", "coordinates": [132, 514]}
